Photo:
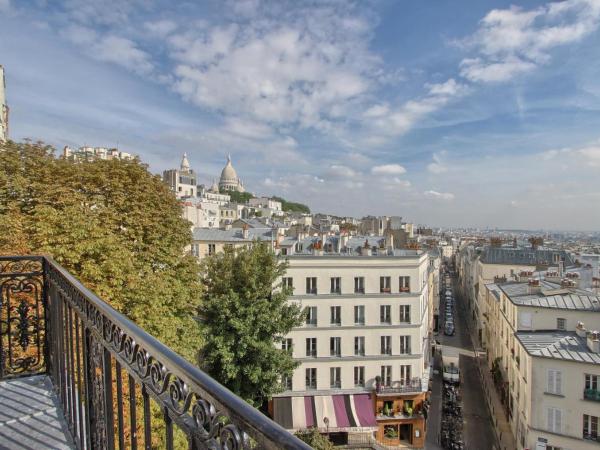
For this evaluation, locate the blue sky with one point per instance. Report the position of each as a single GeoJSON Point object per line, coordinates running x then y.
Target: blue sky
{"type": "Point", "coordinates": [481, 113]}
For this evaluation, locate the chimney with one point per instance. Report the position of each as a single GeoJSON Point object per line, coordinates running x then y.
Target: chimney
{"type": "Point", "coordinates": [534, 286]}
{"type": "Point", "coordinates": [580, 329]}
{"type": "Point", "coordinates": [228, 226]}
{"type": "Point", "coordinates": [245, 233]}
{"type": "Point", "coordinates": [593, 341]}
{"type": "Point", "coordinates": [345, 238]}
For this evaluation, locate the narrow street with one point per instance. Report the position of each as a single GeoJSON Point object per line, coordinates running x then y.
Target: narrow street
{"type": "Point", "coordinates": [478, 431]}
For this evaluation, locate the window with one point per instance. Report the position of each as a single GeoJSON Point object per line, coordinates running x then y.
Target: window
{"type": "Point", "coordinates": [561, 324]}
{"type": "Point", "coordinates": [195, 250]}
{"type": "Point", "coordinates": [590, 427]}
{"type": "Point", "coordinates": [386, 345]}
{"type": "Point", "coordinates": [554, 381]}
{"type": "Point", "coordinates": [359, 315]}
{"type": "Point", "coordinates": [385, 314]}
{"type": "Point", "coordinates": [554, 417]}
{"type": "Point", "coordinates": [336, 315]}
{"type": "Point", "coordinates": [335, 346]}
{"type": "Point", "coordinates": [311, 316]}
{"type": "Point", "coordinates": [286, 344]}
{"type": "Point", "coordinates": [311, 347]}
{"type": "Point", "coordinates": [591, 382]}
{"type": "Point", "coordinates": [386, 375]}
{"type": "Point", "coordinates": [404, 284]}
{"type": "Point", "coordinates": [359, 285]}
{"type": "Point", "coordinates": [288, 283]}
{"type": "Point", "coordinates": [284, 251]}
{"type": "Point", "coordinates": [385, 285]}
{"type": "Point", "coordinates": [311, 285]}
{"type": "Point", "coordinates": [405, 374]}
{"type": "Point", "coordinates": [359, 376]}
{"type": "Point", "coordinates": [212, 249]}
{"type": "Point", "coordinates": [336, 285]}
{"type": "Point", "coordinates": [287, 383]}
{"type": "Point", "coordinates": [405, 313]}
{"type": "Point", "coordinates": [404, 345]}
{"type": "Point", "coordinates": [335, 377]}
{"type": "Point", "coordinates": [359, 346]}
{"type": "Point", "coordinates": [311, 378]}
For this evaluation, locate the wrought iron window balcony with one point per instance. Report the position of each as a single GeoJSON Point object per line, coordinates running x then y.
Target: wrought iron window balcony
{"type": "Point", "coordinates": [116, 385]}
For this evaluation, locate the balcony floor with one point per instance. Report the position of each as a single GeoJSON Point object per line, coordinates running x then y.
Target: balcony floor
{"type": "Point", "coordinates": [30, 416]}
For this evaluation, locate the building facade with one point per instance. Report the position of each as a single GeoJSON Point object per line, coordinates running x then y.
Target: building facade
{"type": "Point", "coordinates": [367, 332]}
{"type": "Point", "coordinates": [87, 153]}
{"type": "Point", "coordinates": [229, 180]}
{"type": "Point", "coordinates": [183, 181]}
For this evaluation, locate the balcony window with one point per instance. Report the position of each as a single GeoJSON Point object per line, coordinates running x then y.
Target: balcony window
{"type": "Point", "coordinates": [405, 345]}
{"type": "Point", "coordinates": [287, 283]}
{"type": "Point", "coordinates": [335, 346]}
{"type": "Point", "coordinates": [335, 377]}
{"type": "Point", "coordinates": [385, 314]}
{"type": "Point", "coordinates": [591, 391]}
{"type": "Point", "coordinates": [311, 378]}
{"type": "Point", "coordinates": [386, 376]}
{"type": "Point", "coordinates": [336, 315]}
{"type": "Point", "coordinates": [359, 376]}
{"type": "Point", "coordinates": [386, 345]}
{"type": "Point", "coordinates": [590, 427]}
{"type": "Point", "coordinates": [404, 284]}
{"type": "Point", "coordinates": [359, 285]}
{"type": "Point", "coordinates": [405, 375]}
{"type": "Point", "coordinates": [286, 344]}
{"type": "Point", "coordinates": [359, 315]}
{"type": "Point", "coordinates": [311, 316]}
{"type": "Point", "coordinates": [311, 347]}
{"type": "Point", "coordinates": [405, 313]}
{"type": "Point", "coordinates": [385, 285]}
{"type": "Point", "coordinates": [311, 285]}
{"type": "Point", "coordinates": [336, 285]}
{"type": "Point", "coordinates": [359, 345]}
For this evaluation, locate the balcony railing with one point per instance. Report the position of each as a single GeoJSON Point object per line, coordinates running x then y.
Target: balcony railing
{"type": "Point", "coordinates": [107, 372]}
{"type": "Point", "coordinates": [399, 387]}
{"type": "Point", "coordinates": [591, 394]}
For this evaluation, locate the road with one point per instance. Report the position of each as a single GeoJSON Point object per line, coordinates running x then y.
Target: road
{"type": "Point", "coordinates": [478, 431]}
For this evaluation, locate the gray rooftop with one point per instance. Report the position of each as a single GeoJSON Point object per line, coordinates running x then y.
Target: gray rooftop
{"type": "Point", "coordinates": [551, 295]}
{"type": "Point", "coordinates": [233, 235]}
{"type": "Point", "coordinates": [563, 345]}
{"type": "Point", "coordinates": [524, 256]}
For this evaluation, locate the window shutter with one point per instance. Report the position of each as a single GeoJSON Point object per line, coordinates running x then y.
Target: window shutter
{"type": "Point", "coordinates": [558, 382]}
{"type": "Point", "coordinates": [550, 423]}
{"type": "Point", "coordinates": [550, 386]}
{"type": "Point", "coordinates": [557, 420]}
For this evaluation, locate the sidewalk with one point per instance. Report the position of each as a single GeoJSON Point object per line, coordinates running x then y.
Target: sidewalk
{"type": "Point", "coordinates": [432, 440]}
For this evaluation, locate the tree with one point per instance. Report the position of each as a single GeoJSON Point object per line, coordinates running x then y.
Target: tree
{"type": "Point", "coordinates": [237, 197]}
{"type": "Point", "coordinates": [112, 224]}
{"type": "Point", "coordinates": [315, 439]}
{"type": "Point", "coordinates": [292, 206]}
{"type": "Point", "coordinates": [245, 313]}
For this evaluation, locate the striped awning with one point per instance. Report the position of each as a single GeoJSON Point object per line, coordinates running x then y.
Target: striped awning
{"type": "Point", "coordinates": [341, 411]}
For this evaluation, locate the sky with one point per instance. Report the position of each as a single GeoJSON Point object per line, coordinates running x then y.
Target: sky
{"type": "Point", "coordinates": [472, 113]}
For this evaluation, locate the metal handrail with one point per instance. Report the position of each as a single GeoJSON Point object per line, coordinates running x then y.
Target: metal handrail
{"type": "Point", "coordinates": [208, 412]}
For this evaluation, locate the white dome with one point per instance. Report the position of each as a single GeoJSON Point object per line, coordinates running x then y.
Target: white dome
{"type": "Point", "coordinates": [228, 174]}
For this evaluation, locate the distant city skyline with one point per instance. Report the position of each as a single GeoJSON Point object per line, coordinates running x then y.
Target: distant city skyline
{"type": "Point", "coordinates": [484, 115]}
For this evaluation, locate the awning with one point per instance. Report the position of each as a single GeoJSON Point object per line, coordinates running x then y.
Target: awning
{"type": "Point", "coordinates": [348, 411]}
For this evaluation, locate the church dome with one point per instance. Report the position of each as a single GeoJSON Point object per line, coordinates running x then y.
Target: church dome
{"type": "Point", "coordinates": [228, 174]}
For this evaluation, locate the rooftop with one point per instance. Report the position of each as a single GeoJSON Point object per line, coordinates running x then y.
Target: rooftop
{"type": "Point", "coordinates": [548, 295]}
{"type": "Point", "coordinates": [524, 256]}
{"type": "Point", "coordinates": [563, 345]}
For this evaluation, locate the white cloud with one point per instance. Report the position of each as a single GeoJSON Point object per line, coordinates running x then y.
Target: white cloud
{"type": "Point", "coordinates": [591, 155]}
{"type": "Point", "coordinates": [437, 166]}
{"type": "Point", "coordinates": [439, 195]}
{"type": "Point", "coordinates": [513, 41]}
{"type": "Point", "coordinates": [449, 88]}
{"type": "Point", "coordinates": [161, 28]}
{"type": "Point", "coordinates": [388, 169]}
{"type": "Point", "coordinates": [337, 171]}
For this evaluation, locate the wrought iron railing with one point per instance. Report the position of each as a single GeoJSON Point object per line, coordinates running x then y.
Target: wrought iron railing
{"type": "Point", "coordinates": [117, 385]}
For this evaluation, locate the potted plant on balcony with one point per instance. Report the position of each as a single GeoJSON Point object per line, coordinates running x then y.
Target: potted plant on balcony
{"type": "Point", "coordinates": [386, 410]}
{"type": "Point", "coordinates": [408, 410]}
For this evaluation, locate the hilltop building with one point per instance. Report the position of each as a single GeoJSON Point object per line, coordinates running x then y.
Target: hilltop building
{"type": "Point", "coordinates": [229, 180]}
{"type": "Point", "coordinates": [3, 108]}
{"type": "Point", "coordinates": [183, 181]}
{"type": "Point", "coordinates": [92, 153]}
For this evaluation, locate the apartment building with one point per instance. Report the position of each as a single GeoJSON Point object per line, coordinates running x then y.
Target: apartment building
{"type": "Point", "coordinates": [366, 339]}
{"type": "Point", "coordinates": [545, 365]}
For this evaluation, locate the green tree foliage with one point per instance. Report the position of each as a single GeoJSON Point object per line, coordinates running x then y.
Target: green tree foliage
{"type": "Point", "coordinates": [243, 316]}
{"type": "Point", "coordinates": [315, 439]}
{"type": "Point", "coordinates": [238, 197]}
{"type": "Point", "coordinates": [113, 225]}
{"type": "Point", "coordinates": [292, 206]}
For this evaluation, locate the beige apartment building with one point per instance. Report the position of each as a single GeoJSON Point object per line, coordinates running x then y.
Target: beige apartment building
{"type": "Point", "coordinates": [545, 365]}
{"type": "Point", "coordinates": [367, 333]}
